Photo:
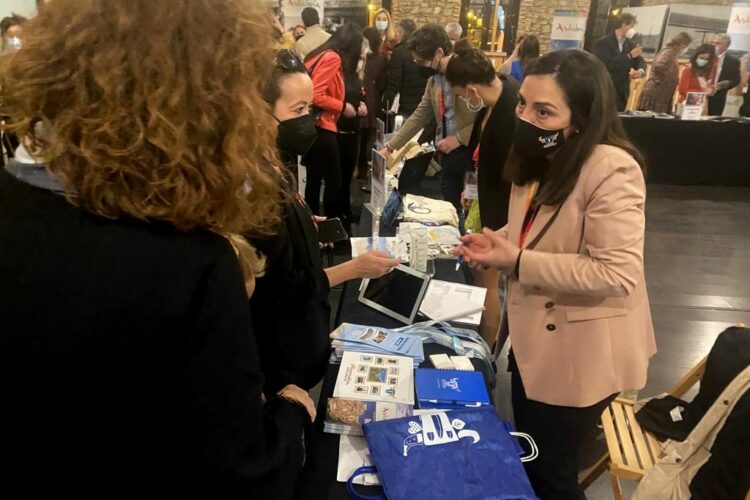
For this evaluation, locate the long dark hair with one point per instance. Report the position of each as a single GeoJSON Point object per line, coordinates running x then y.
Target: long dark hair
{"type": "Point", "coordinates": [373, 38]}
{"type": "Point", "coordinates": [590, 94]}
{"type": "Point", "coordinates": [347, 43]}
{"type": "Point", "coordinates": [469, 66]}
{"type": "Point", "coordinates": [529, 51]}
{"type": "Point", "coordinates": [705, 71]}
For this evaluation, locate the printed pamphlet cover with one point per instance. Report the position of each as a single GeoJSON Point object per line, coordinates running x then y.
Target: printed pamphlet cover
{"type": "Point", "coordinates": [376, 341]}
{"type": "Point", "coordinates": [346, 416]}
{"type": "Point", "coordinates": [372, 377]}
{"type": "Point", "coordinates": [450, 388]}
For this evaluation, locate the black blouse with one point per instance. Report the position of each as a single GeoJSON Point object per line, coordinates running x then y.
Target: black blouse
{"type": "Point", "coordinates": [290, 304]}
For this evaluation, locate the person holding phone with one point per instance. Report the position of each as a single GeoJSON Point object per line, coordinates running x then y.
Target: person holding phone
{"type": "Point", "coordinates": [290, 304]}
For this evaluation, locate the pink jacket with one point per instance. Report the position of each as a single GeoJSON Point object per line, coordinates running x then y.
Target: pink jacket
{"type": "Point", "coordinates": [579, 316]}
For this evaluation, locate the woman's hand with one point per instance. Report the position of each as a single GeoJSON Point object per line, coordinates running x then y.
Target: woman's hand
{"type": "Point", "coordinates": [488, 249]}
{"type": "Point", "coordinates": [362, 110]}
{"type": "Point", "coordinates": [349, 111]}
{"type": "Point", "coordinates": [297, 395]}
{"type": "Point", "coordinates": [373, 264]}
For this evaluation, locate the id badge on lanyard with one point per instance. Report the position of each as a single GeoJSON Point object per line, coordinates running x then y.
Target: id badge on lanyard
{"type": "Point", "coordinates": [529, 218]}
{"type": "Point", "coordinates": [471, 186]}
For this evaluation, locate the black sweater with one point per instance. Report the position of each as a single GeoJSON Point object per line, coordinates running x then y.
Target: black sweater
{"type": "Point", "coordinates": [404, 79]}
{"type": "Point", "coordinates": [495, 143]}
{"type": "Point", "coordinates": [128, 366]}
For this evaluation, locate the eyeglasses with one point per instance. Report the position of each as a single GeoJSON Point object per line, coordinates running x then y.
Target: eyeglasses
{"type": "Point", "coordinates": [288, 60]}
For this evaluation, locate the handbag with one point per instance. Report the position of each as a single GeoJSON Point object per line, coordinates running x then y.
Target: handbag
{"type": "Point", "coordinates": [462, 455]}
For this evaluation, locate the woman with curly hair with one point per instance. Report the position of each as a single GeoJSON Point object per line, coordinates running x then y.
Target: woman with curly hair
{"type": "Point", "coordinates": [128, 358]}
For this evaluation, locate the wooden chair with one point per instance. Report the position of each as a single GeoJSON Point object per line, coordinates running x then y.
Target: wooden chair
{"type": "Point", "coordinates": [632, 451]}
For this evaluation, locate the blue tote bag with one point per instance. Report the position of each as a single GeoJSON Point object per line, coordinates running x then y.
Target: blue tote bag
{"type": "Point", "coordinates": [460, 455]}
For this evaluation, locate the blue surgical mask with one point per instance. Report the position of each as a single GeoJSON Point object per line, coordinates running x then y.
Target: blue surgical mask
{"type": "Point", "coordinates": [701, 63]}
{"type": "Point", "coordinates": [381, 25]}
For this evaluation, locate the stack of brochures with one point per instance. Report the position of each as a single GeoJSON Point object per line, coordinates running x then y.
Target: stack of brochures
{"type": "Point", "coordinates": [447, 301]}
{"type": "Point", "coordinates": [368, 388]}
{"type": "Point", "coordinates": [451, 389]}
{"type": "Point", "coordinates": [375, 340]}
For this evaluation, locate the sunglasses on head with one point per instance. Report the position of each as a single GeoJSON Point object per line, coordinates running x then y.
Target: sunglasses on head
{"type": "Point", "coordinates": [288, 60]}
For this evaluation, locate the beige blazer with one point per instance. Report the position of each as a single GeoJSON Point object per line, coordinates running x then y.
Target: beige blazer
{"type": "Point", "coordinates": [578, 316]}
{"type": "Point", "coordinates": [428, 108]}
{"type": "Point", "coordinates": [315, 36]}
{"type": "Point", "coordinates": [680, 461]}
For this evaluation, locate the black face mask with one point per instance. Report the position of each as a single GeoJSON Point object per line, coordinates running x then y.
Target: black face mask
{"type": "Point", "coordinates": [296, 135]}
{"type": "Point", "coordinates": [531, 142]}
{"type": "Point", "coordinates": [426, 72]}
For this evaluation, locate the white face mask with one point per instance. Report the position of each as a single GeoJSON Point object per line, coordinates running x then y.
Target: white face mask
{"type": "Point", "coordinates": [381, 25]}
{"type": "Point", "coordinates": [13, 44]}
{"type": "Point", "coordinates": [630, 33]}
{"type": "Point", "coordinates": [701, 63]}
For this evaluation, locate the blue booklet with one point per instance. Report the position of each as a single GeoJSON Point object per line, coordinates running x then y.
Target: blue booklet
{"type": "Point", "coordinates": [450, 389]}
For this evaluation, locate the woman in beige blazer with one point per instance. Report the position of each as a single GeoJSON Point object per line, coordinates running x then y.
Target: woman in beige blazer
{"type": "Point", "coordinates": [577, 309]}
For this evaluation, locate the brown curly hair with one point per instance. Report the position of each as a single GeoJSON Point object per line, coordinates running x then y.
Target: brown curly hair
{"type": "Point", "coordinates": [151, 109]}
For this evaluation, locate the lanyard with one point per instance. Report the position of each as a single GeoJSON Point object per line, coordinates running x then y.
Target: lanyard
{"type": "Point", "coordinates": [529, 217]}
{"type": "Point", "coordinates": [442, 104]}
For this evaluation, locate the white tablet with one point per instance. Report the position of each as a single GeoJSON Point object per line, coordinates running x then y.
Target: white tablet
{"type": "Point", "coordinates": [398, 294]}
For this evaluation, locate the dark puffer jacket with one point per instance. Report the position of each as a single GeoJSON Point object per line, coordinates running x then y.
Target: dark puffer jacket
{"type": "Point", "coordinates": [404, 79]}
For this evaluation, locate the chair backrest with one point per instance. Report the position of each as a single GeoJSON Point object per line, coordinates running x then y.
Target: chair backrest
{"type": "Point", "coordinates": [689, 379]}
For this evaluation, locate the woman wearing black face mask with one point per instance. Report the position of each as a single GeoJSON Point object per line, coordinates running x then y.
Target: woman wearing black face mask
{"type": "Point", "coordinates": [577, 310]}
{"type": "Point", "coordinates": [290, 304]}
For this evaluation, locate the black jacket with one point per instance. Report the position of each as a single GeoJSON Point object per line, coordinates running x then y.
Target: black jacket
{"type": "Point", "coordinates": [494, 145]}
{"type": "Point", "coordinates": [404, 79]}
{"type": "Point", "coordinates": [726, 473]}
{"type": "Point", "coordinates": [619, 63]}
{"type": "Point", "coordinates": [128, 364]}
{"type": "Point", "coordinates": [290, 304]}
{"type": "Point", "coordinates": [730, 72]}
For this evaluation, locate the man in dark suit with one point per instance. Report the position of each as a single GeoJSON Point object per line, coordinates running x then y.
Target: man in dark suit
{"type": "Point", "coordinates": [622, 57]}
{"type": "Point", "coordinates": [728, 75]}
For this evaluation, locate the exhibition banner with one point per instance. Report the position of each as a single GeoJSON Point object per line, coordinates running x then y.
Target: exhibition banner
{"type": "Point", "coordinates": [568, 29]}
{"type": "Point", "coordinates": [739, 26]}
{"type": "Point", "coordinates": [292, 10]}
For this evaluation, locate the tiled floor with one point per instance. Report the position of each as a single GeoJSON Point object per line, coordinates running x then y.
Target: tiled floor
{"type": "Point", "coordinates": [698, 273]}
